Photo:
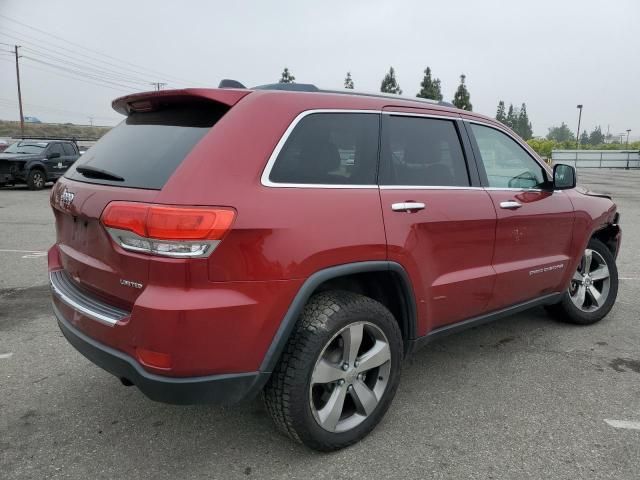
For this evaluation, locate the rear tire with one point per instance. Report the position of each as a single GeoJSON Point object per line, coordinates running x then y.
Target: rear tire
{"type": "Point", "coordinates": [339, 371]}
{"type": "Point", "coordinates": [36, 179]}
{"type": "Point", "coordinates": [593, 289]}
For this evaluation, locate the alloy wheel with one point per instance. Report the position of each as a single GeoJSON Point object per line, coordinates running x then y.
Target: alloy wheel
{"type": "Point", "coordinates": [350, 377]}
{"type": "Point", "coordinates": [590, 284]}
{"type": "Point", "coordinates": [38, 180]}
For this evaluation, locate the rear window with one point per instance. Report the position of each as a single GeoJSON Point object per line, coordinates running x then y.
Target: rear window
{"type": "Point", "coordinates": [330, 149]}
{"type": "Point", "coordinates": [146, 148]}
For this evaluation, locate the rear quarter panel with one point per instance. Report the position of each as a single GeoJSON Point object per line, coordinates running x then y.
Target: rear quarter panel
{"type": "Point", "coordinates": [279, 233]}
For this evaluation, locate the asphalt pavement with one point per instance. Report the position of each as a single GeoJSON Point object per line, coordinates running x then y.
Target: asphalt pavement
{"type": "Point", "coordinates": [523, 398]}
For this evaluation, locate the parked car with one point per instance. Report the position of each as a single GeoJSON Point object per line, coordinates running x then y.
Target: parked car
{"type": "Point", "coordinates": [3, 145]}
{"type": "Point", "coordinates": [224, 242]}
{"type": "Point", "coordinates": [36, 162]}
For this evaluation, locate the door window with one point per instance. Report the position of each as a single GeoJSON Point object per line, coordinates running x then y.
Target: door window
{"type": "Point", "coordinates": [506, 163]}
{"type": "Point", "coordinates": [68, 149]}
{"type": "Point", "coordinates": [55, 148]}
{"type": "Point", "coordinates": [330, 149]}
{"type": "Point", "coordinates": [423, 152]}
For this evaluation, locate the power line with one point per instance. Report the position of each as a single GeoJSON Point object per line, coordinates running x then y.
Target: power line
{"type": "Point", "coordinates": [46, 70]}
{"type": "Point", "coordinates": [110, 70]}
{"type": "Point", "coordinates": [93, 51]}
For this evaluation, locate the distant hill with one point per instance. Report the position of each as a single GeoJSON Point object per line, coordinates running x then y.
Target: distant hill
{"type": "Point", "coordinates": [12, 129]}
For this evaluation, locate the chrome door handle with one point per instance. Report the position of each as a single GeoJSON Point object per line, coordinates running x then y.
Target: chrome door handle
{"type": "Point", "coordinates": [510, 205]}
{"type": "Point", "coordinates": [407, 206]}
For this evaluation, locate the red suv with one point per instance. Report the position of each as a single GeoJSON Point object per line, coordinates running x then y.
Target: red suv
{"type": "Point", "coordinates": [224, 242]}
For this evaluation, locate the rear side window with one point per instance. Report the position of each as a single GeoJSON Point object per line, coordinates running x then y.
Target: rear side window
{"type": "Point", "coordinates": [147, 147]}
{"type": "Point", "coordinates": [330, 149]}
{"type": "Point", "coordinates": [422, 151]}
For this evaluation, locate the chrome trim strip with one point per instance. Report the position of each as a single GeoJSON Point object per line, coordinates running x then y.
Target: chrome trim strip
{"type": "Point", "coordinates": [79, 307]}
{"type": "Point", "coordinates": [264, 179]}
{"type": "Point", "coordinates": [426, 187]}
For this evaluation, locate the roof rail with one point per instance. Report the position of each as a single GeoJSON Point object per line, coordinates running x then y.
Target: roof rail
{"type": "Point", "coordinates": [51, 138]}
{"type": "Point", "coordinates": [309, 87]}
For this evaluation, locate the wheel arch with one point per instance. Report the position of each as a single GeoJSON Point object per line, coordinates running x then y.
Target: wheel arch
{"type": "Point", "coordinates": [609, 235]}
{"type": "Point", "coordinates": [359, 277]}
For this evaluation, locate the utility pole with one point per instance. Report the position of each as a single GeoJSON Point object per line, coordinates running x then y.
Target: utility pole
{"type": "Point", "coordinates": [158, 85]}
{"type": "Point", "coordinates": [579, 107]}
{"type": "Point", "coordinates": [19, 91]}
{"type": "Point", "coordinates": [628, 130]}
{"type": "Point", "coordinates": [91, 121]}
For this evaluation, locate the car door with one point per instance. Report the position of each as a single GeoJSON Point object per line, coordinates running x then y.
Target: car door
{"type": "Point", "coordinates": [54, 164]}
{"type": "Point", "coordinates": [440, 224]}
{"type": "Point", "coordinates": [533, 234]}
{"type": "Point", "coordinates": [70, 156]}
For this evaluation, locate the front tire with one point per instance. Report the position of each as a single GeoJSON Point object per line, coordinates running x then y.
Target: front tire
{"type": "Point", "coordinates": [339, 371]}
{"type": "Point", "coordinates": [593, 289]}
{"type": "Point", "coordinates": [36, 179]}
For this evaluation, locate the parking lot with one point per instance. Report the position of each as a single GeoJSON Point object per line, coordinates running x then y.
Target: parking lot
{"type": "Point", "coordinates": [525, 397]}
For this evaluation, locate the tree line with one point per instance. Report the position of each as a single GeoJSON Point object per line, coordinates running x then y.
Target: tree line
{"type": "Point", "coordinates": [430, 87]}
{"type": "Point", "coordinates": [516, 118]}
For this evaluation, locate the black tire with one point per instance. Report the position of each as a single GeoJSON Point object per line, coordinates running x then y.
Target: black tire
{"type": "Point", "coordinates": [288, 395]}
{"type": "Point", "coordinates": [567, 311]}
{"type": "Point", "coordinates": [36, 179]}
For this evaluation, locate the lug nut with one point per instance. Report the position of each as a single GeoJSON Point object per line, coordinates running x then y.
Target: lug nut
{"type": "Point", "coordinates": [357, 363]}
{"type": "Point", "coordinates": [345, 366]}
{"type": "Point", "coordinates": [341, 382]}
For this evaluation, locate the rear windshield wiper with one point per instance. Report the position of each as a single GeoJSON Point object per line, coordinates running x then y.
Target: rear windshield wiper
{"type": "Point", "coordinates": [93, 172]}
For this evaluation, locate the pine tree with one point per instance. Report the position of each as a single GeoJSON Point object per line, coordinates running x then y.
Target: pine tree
{"type": "Point", "coordinates": [500, 114]}
{"type": "Point", "coordinates": [584, 138]}
{"type": "Point", "coordinates": [390, 84]}
{"type": "Point", "coordinates": [512, 116]}
{"type": "Point", "coordinates": [596, 137]}
{"type": "Point", "coordinates": [430, 87]}
{"type": "Point", "coordinates": [348, 81]}
{"type": "Point", "coordinates": [523, 127]}
{"type": "Point", "coordinates": [287, 77]}
{"type": "Point", "coordinates": [461, 99]}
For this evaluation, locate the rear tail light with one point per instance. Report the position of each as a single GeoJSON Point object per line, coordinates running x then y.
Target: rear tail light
{"type": "Point", "coordinates": [182, 232]}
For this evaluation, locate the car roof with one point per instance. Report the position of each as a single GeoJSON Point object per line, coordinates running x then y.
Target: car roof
{"type": "Point", "coordinates": [303, 96]}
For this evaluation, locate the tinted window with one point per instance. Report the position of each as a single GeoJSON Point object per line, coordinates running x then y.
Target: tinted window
{"type": "Point", "coordinates": [330, 148]}
{"type": "Point", "coordinates": [68, 149]}
{"type": "Point", "coordinates": [26, 147]}
{"type": "Point", "coordinates": [506, 163]}
{"type": "Point", "coordinates": [423, 152]}
{"type": "Point", "coordinates": [146, 148]}
{"type": "Point", "coordinates": [55, 148]}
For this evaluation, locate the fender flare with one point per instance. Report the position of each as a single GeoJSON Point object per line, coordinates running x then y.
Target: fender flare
{"type": "Point", "coordinates": [289, 320]}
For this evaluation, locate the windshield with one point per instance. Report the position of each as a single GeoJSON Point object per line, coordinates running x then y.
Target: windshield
{"type": "Point", "coordinates": [26, 147]}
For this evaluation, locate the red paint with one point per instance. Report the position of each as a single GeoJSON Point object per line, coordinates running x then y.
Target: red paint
{"type": "Point", "coordinates": [463, 253]}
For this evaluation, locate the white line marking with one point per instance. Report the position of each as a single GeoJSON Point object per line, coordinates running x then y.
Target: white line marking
{"type": "Point", "coordinates": [6, 355]}
{"type": "Point", "coordinates": [628, 278]}
{"type": "Point", "coordinates": [22, 251]}
{"type": "Point", "coordinates": [35, 255]}
{"type": "Point", "coordinates": [624, 424]}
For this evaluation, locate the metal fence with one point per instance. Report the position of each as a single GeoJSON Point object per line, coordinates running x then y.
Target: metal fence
{"type": "Point", "coordinates": [598, 158]}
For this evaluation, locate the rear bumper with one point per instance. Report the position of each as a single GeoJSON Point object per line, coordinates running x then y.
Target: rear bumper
{"type": "Point", "coordinates": [220, 389]}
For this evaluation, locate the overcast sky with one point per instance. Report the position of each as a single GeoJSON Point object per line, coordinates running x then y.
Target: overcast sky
{"type": "Point", "coordinates": [551, 55]}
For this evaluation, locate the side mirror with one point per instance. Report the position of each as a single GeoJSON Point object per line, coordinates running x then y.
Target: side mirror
{"type": "Point", "coordinates": [564, 177]}
{"type": "Point", "coordinates": [53, 155]}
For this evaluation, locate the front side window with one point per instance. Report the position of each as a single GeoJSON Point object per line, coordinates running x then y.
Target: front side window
{"type": "Point", "coordinates": [68, 149]}
{"type": "Point", "coordinates": [55, 148]}
{"type": "Point", "coordinates": [505, 162]}
{"type": "Point", "coordinates": [330, 149]}
{"type": "Point", "coordinates": [423, 152]}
